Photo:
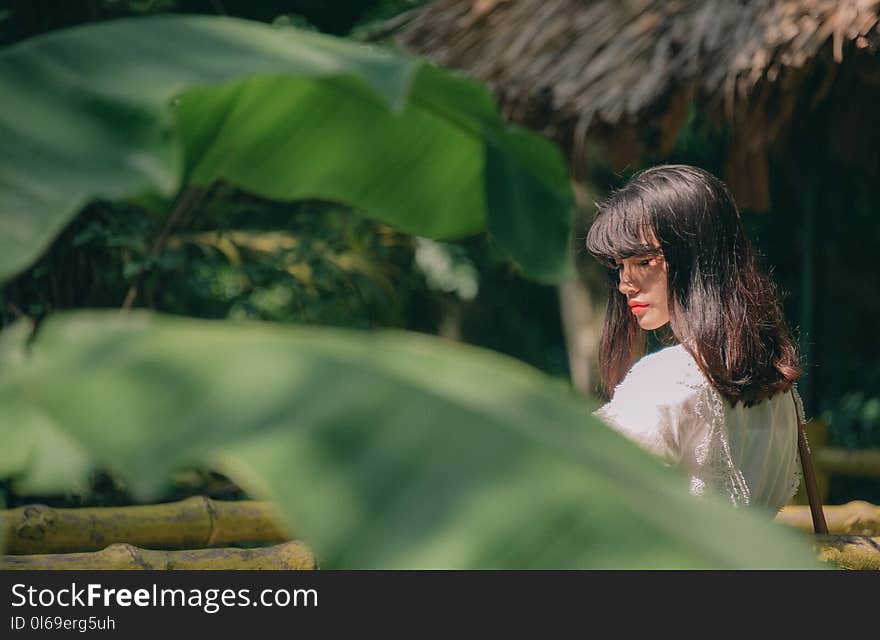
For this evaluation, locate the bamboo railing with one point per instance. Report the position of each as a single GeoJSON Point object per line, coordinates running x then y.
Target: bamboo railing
{"type": "Point", "coordinates": [142, 537]}
{"type": "Point", "coordinates": [286, 556]}
{"type": "Point", "coordinates": [195, 522]}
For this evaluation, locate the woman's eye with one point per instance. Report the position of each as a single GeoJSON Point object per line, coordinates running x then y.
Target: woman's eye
{"type": "Point", "coordinates": [646, 262]}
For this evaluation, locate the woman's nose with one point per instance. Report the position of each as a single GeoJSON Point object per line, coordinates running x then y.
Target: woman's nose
{"type": "Point", "coordinates": [625, 284]}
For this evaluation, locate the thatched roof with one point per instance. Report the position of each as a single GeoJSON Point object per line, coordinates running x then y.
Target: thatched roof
{"type": "Point", "coordinates": [625, 71]}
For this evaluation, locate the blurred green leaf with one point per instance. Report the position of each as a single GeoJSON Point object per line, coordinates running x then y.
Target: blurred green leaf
{"type": "Point", "coordinates": [38, 455]}
{"type": "Point", "coordinates": [383, 449]}
{"type": "Point", "coordinates": [522, 177]}
{"type": "Point", "coordinates": [136, 108]}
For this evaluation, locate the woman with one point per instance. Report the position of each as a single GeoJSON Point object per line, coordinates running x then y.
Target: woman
{"type": "Point", "coordinates": [721, 403]}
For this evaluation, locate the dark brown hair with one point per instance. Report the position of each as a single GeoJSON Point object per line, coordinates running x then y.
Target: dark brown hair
{"type": "Point", "coordinates": [724, 309]}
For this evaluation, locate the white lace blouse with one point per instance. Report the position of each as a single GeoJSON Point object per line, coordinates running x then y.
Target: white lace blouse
{"type": "Point", "coordinates": [748, 455]}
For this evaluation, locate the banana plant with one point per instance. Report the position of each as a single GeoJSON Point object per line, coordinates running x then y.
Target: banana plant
{"type": "Point", "coordinates": [143, 108]}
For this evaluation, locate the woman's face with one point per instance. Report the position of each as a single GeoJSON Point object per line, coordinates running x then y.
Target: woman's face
{"type": "Point", "coordinates": [642, 279]}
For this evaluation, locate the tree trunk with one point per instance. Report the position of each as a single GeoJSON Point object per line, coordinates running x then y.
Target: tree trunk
{"type": "Point", "coordinates": [581, 306]}
{"type": "Point", "coordinates": [579, 323]}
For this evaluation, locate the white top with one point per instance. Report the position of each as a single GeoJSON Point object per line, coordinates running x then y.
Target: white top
{"type": "Point", "coordinates": [666, 405]}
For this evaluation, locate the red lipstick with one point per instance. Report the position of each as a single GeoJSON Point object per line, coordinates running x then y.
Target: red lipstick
{"type": "Point", "coordinates": [637, 307]}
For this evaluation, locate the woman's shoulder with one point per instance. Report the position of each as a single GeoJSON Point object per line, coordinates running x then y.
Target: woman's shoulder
{"type": "Point", "coordinates": [670, 373]}
{"type": "Point", "coordinates": [657, 402]}
{"type": "Point", "coordinates": [670, 365]}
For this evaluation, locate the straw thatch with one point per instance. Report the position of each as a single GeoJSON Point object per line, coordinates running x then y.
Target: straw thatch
{"type": "Point", "coordinates": [625, 72]}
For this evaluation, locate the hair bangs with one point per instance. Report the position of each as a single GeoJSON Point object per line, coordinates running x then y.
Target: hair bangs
{"type": "Point", "coordinates": [623, 228]}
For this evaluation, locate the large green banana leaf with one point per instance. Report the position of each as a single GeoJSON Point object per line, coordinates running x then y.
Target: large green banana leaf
{"type": "Point", "coordinates": [384, 450]}
{"type": "Point", "coordinates": [137, 108]}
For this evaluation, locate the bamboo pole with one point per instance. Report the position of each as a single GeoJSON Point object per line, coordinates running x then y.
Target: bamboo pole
{"type": "Point", "coordinates": [191, 523]}
{"type": "Point", "coordinates": [817, 436]}
{"type": "Point", "coordinates": [849, 552]}
{"type": "Point", "coordinates": [853, 518]}
{"type": "Point", "coordinates": [286, 556]}
{"type": "Point", "coordinates": [860, 462]}
{"type": "Point", "coordinates": [813, 497]}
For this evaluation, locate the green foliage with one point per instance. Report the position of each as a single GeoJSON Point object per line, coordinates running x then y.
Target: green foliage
{"type": "Point", "coordinates": [855, 422]}
{"type": "Point", "coordinates": [237, 256]}
{"type": "Point", "coordinates": [100, 112]}
{"type": "Point", "coordinates": [375, 24]}
{"type": "Point", "coordinates": [384, 449]}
